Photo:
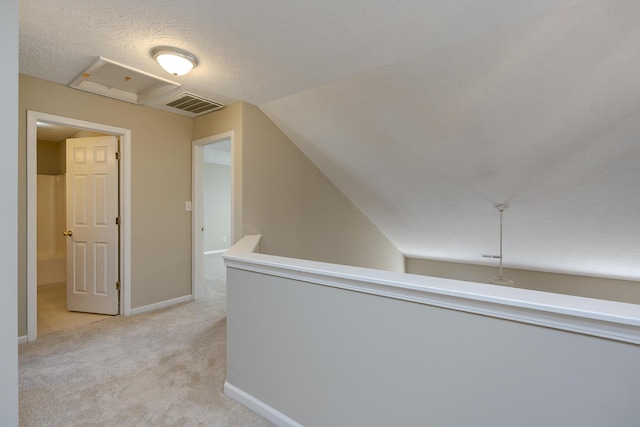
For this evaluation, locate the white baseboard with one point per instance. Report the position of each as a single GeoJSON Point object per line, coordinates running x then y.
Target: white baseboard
{"type": "Point", "coordinates": [22, 340]}
{"type": "Point", "coordinates": [259, 407]}
{"type": "Point", "coordinates": [161, 304]}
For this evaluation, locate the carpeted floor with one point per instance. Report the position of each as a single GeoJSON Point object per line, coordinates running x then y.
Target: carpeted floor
{"type": "Point", "coordinates": [163, 368]}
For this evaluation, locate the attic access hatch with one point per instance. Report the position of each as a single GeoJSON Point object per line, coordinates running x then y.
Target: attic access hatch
{"type": "Point", "coordinates": [109, 78]}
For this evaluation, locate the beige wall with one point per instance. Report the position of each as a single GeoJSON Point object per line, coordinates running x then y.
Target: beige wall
{"type": "Point", "coordinates": [51, 157]}
{"type": "Point", "coordinates": [591, 287]}
{"type": "Point", "coordinates": [286, 198]}
{"type": "Point", "coordinates": [298, 211]}
{"type": "Point", "coordinates": [160, 184]}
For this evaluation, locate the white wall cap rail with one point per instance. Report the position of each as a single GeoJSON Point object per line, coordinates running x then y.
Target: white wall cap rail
{"type": "Point", "coordinates": [607, 319]}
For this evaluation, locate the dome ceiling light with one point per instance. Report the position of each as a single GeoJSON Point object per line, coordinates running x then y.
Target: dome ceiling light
{"type": "Point", "coordinates": [174, 61]}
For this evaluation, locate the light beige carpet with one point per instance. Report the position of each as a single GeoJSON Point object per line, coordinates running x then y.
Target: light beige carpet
{"type": "Point", "coordinates": [163, 368]}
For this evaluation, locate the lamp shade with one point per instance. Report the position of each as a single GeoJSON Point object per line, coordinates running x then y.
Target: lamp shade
{"type": "Point", "coordinates": [174, 61]}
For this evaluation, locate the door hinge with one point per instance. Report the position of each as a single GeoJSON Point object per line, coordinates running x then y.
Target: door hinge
{"type": "Point", "coordinates": [118, 285]}
{"type": "Point", "coordinates": [117, 220]}
{"type": "Point", "coordinates": [117, 155]}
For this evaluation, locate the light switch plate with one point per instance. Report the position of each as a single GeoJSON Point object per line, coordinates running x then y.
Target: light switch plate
{"type": "Point", "coordinates": [187, 206]}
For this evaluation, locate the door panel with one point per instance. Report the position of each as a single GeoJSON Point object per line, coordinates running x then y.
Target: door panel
{"type": "Point", "coordinates": [92, 208]}
{"type": "Point", "coordinates": [79, 274]}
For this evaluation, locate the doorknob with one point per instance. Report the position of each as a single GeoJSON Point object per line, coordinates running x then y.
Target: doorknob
{"type": "Point", "coordinates": [67, 233]}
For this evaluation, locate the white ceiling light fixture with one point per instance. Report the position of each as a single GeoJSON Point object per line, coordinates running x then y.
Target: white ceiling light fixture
{"type": "Point", "coordinates": [174, 61]}
{"type": "Point", "coordinates": [501, 280]}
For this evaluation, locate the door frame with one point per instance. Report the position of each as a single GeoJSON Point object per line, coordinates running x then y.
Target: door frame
{"type": "Point", "coordinates": [124, 173]}
{"type": "Point", "coordinates": [197, 197]}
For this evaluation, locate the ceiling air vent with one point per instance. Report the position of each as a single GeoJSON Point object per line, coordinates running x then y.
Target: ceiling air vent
{"type": "Point", "coordinates": [193, 104]}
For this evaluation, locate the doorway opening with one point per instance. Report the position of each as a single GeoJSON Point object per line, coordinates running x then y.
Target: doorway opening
{"type": "Point", "coordinates": [53, 144]}
{"type": "Point", "coordinates": [213, 208]}
{"type": "Point", "coordinates": [49, 230]}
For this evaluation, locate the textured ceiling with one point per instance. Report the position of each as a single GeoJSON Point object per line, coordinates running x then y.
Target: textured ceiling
{"type": "Point", "coordinates": [55, 133]}
{"type": "Point", "coordinates": [426, 114]}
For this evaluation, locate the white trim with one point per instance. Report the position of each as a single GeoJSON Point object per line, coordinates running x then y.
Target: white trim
{"type": "Point", "coordinates": [197, 166]}
{"type": "Point", "coordinates": [258, 406]}
{"type": "Point", "coordinates": [220, 251]}
{"type": "Point", "coordinates": [161, 304]}
{"type": "Point", "coordinates": [125, 209]}
{"type": "Point", "coordinates": [247, 245]}
{"type": "Point", "coordinates": [607, 319]}
{"type": "Point", "coordinates": [22, 340]}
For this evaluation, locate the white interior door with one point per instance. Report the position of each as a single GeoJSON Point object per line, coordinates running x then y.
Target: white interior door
{"type": "Point", "coordinates": [92, 231]}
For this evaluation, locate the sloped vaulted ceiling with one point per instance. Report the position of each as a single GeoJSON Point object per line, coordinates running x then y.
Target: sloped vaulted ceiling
{"type": "Point", "coordinates": [426, 114]}
{"type": "Point", "coordinates": [543, 116]}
